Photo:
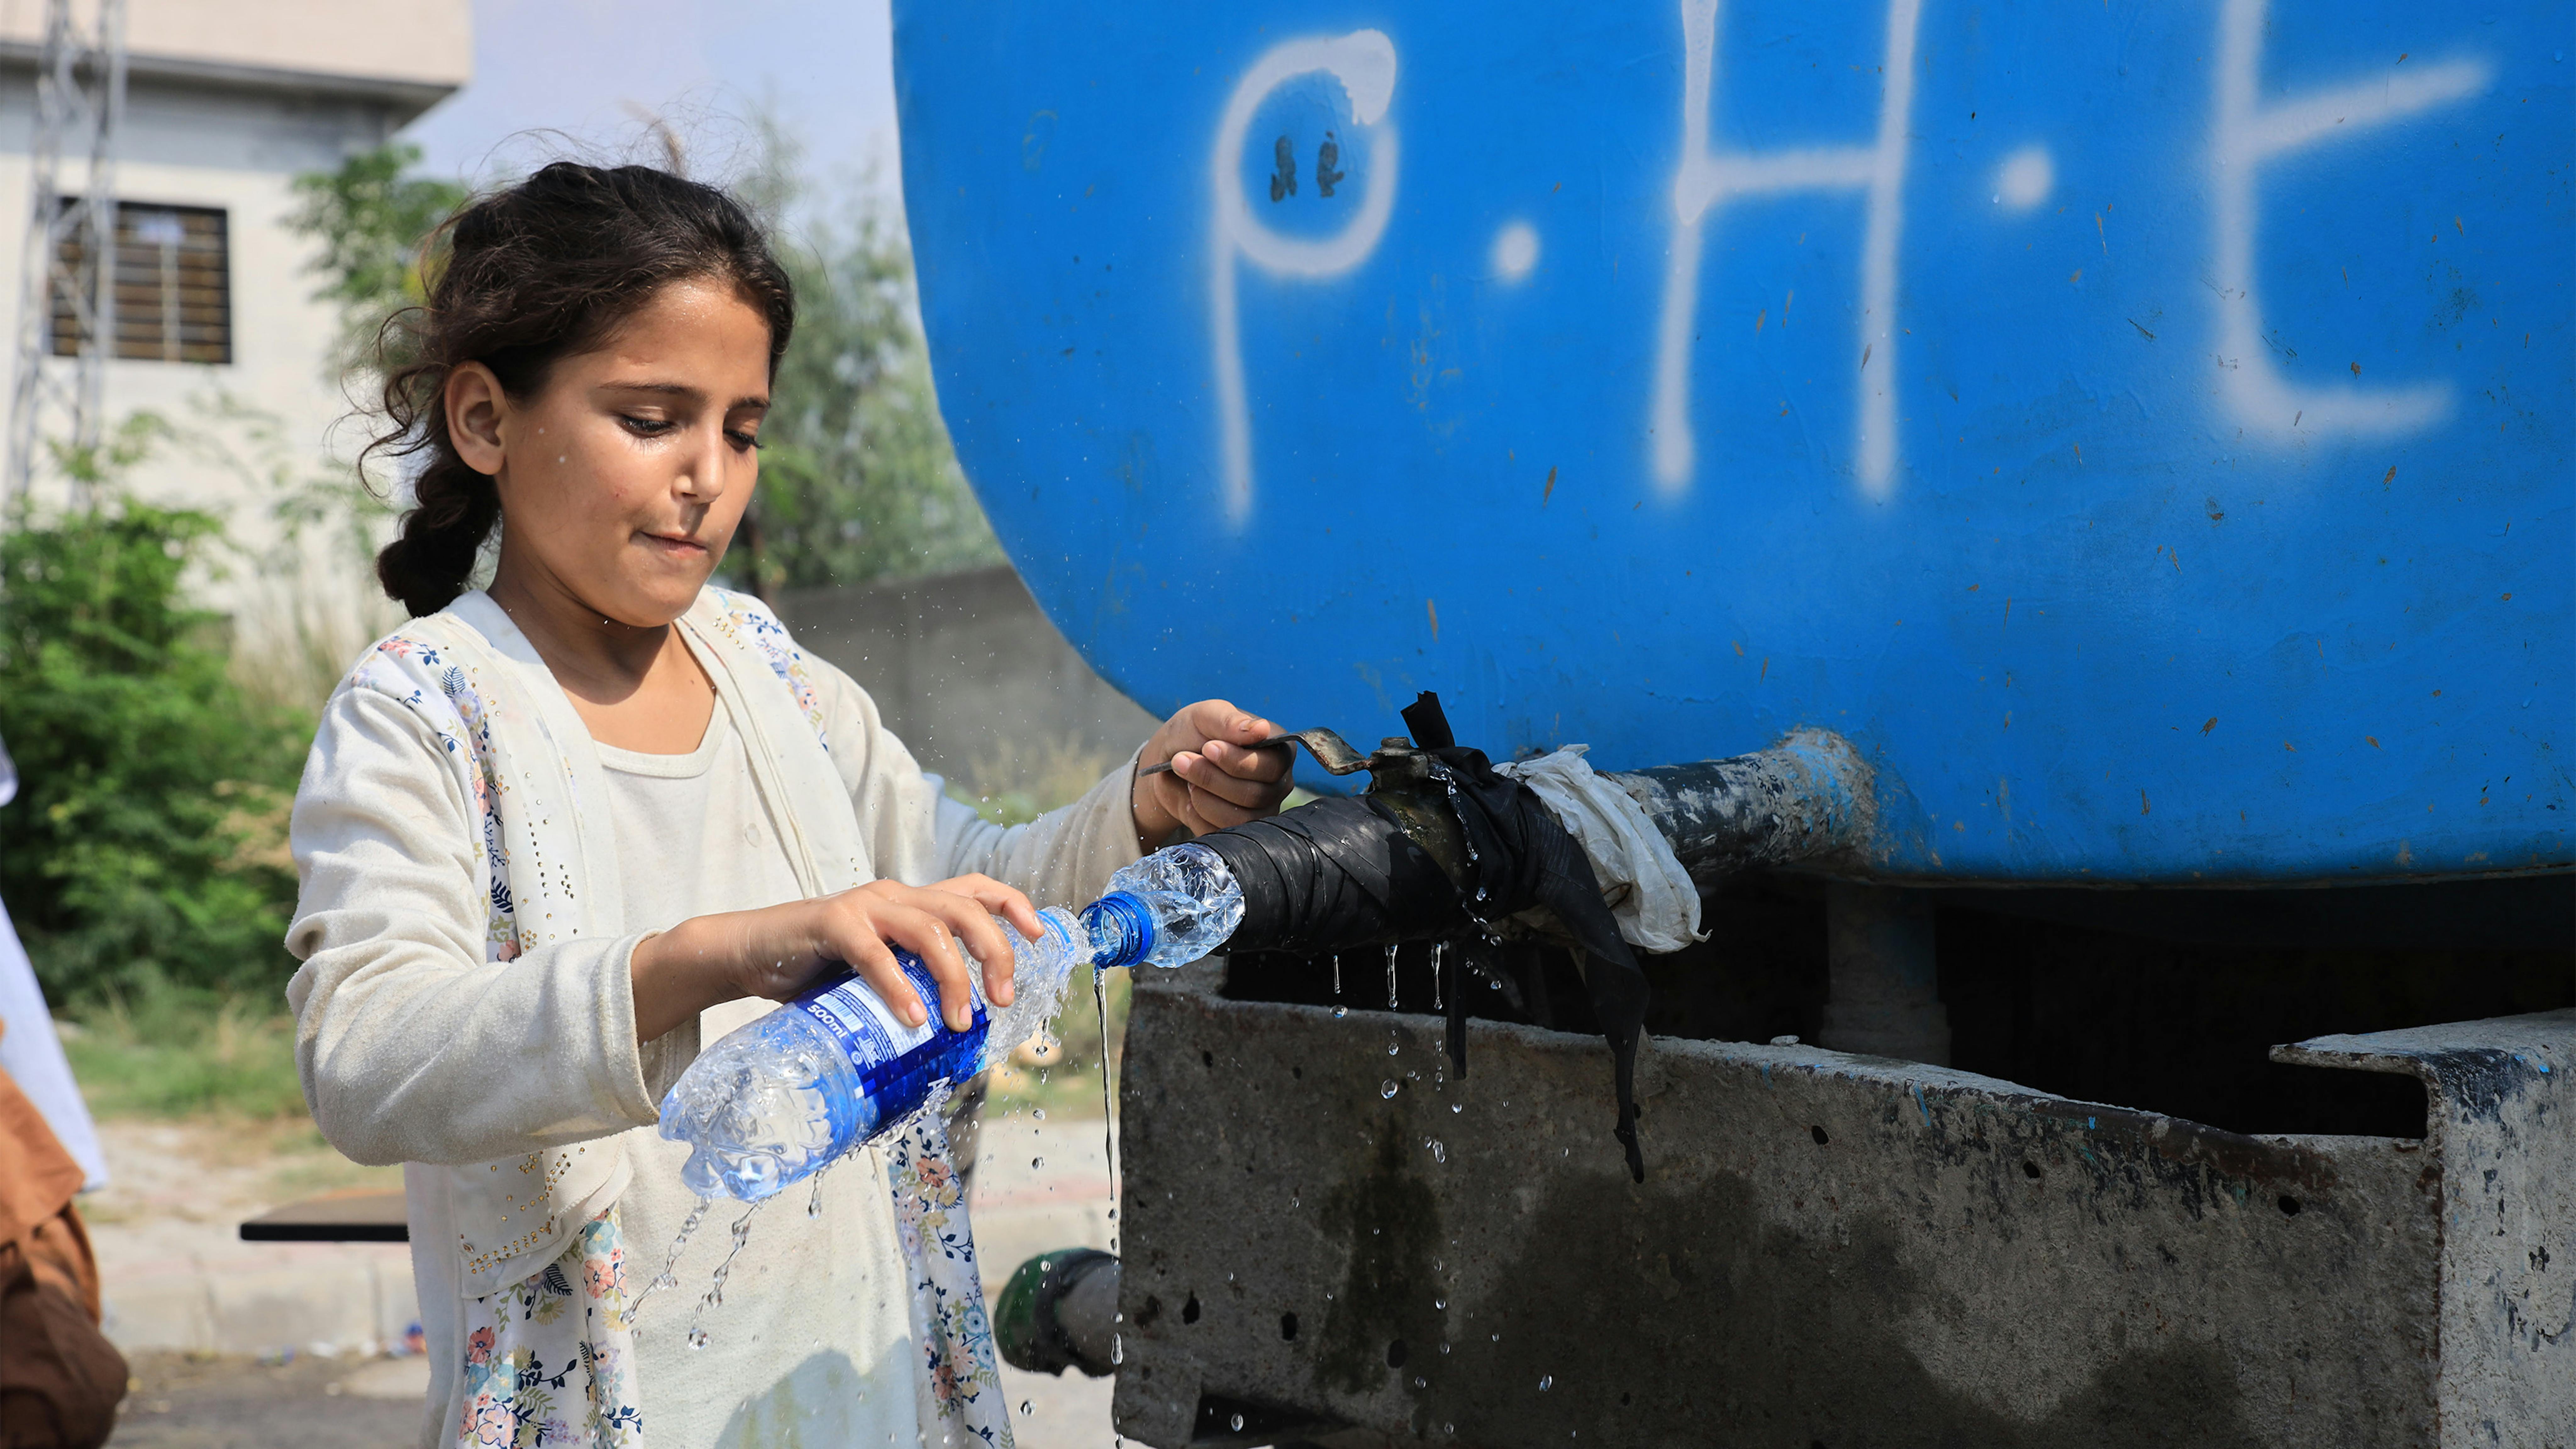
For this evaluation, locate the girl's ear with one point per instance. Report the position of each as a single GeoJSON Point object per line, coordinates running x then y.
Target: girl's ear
{"type": "Point", "coordinates": [475, 407]}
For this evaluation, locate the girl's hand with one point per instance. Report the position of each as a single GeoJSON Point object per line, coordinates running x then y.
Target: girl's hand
{"type": "Point", "coordinates": [1214, 781]}
{"type": "Point", "coordinates": [777, 951]}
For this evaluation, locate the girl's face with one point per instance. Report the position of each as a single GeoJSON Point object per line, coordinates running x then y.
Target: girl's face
{"type": "Point", "coordinates": [622, 480]}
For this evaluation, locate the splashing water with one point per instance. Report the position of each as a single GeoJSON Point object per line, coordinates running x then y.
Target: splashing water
{"type": "Point", "coordinates": [1439, 949]}
{"type": "Point", "coordinates": [670, 1275]}
{"type": "Point", "coordinates": [724, 1269]}
{"type": "Point", "coordinates": [1390, 976]}
{"type": "Point", "coordinates": [814, 1200]}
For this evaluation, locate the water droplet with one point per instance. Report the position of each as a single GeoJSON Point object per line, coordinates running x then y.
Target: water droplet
{"type": "Point", "coordinates": [1420, 1382]}
{"type": "Point", "coordinates": [1340, 1011]}
{"type": "Point", "coordinates": [1455, 1107]}
{"type": "Point", "coordinates": [1444, 1348]}
{"type": "Point", "coordinates": [1024, 1408]}
{"type": "Point", "coordinates": [1037, 1113]}
{"type": "Point", "coordinates": [1237, 1423]}
{"type": "Point", "coordinates": [697, 1338]}
{"type": "Point", "coordinates": [1388, 1090]}
{"type": "Point", "coordinates": [1037, 1162]}
{"type": "Point", "coordinates": [1117, 1348]}
{"type": "Point", "coordinates": [1439, 1150]}
{"type": "Point", "coordinates": [1441, 1303]}
{"type": "Point", "coordinates": [1394, 1045]}
{"type": "Point", "coordinates": [1546, 1382]}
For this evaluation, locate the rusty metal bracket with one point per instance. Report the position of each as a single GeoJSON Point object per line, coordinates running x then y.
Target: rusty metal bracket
{"type": "Point", "coordinates": [1329, 749]}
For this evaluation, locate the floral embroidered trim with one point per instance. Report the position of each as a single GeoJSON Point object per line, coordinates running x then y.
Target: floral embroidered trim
{"type": "Point", "coordinates": [749, 620]}
{"type": "Point", "coordinates": [464, 728]}
{"type": "Point", "coordinates": [525, 1345]}
{"type": "Point", "coordinates": [951, 1328]}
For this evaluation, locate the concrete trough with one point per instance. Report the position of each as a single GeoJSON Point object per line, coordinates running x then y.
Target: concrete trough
{"type": "Point", "coordinates": [1828, 1250]}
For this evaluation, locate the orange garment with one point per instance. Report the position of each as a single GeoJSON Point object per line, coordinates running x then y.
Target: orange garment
{"type": "Point", "coordinates": [60, 1379]}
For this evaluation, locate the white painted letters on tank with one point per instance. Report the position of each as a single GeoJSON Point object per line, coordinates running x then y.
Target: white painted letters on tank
{"type": "Point", "coordinates": [1364, 62]}
{"type": "Point", "coordinates": [2246, 135]}
{"type": "Point", "coordinates": [1707, 179]}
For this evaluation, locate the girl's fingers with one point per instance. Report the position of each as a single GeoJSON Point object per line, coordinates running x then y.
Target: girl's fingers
{"type": "Point", "coordinates": [996, 899]}
{"type": "Point", "coordinates": [982, 936]}
{"type": "Point", "coordinates": [1209, 778]}
{"type": "Point", "coordinates": [1215, 719]}
{"type": "Point", "coordinates": [927, 936]}
{"type": "Point", "coordinates": [873, 962]}
{"type": "Point", "coordinates": [1248, 764]}
{"type": "Point", "coordinates": [1219, 813]}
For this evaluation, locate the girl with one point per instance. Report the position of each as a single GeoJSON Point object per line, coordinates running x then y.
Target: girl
{"type": "Point", "coordinates": [556, 834]}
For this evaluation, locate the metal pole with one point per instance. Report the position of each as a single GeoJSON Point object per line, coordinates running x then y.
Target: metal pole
{"type": "Point", "coordinates": [80, 84]}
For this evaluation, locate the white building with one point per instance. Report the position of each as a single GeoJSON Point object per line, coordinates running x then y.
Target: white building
{"type": "Point", "coordinates": [227, 102]}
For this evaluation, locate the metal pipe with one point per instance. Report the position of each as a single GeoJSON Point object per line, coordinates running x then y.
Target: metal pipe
{"type": "Point", "coordinates": [1805, 799]}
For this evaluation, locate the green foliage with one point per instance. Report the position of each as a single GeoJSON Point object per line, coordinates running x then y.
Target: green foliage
{"type": "Point", "coordinates": [147, 841]}
{"type": "Point", "coordinates": [176, 1051]}
{"type": "Point", "coordinates": [857, 479]}
{"type": "Point", "coordinates": [373, 221]}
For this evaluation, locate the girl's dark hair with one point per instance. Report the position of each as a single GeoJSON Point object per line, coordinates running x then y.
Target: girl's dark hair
{"type": "Point", "coordinates": [540, 271]}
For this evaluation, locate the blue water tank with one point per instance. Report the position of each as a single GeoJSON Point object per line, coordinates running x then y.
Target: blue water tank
{"type": "Point", "coordinates": [2142, 429]}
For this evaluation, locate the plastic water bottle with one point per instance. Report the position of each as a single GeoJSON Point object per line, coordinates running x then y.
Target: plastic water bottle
{"type": "Point", "coordinates": [775, 1100]}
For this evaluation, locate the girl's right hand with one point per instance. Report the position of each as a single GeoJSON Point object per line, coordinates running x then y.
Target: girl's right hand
{"type": "Point", "coordinates": [777, 951]}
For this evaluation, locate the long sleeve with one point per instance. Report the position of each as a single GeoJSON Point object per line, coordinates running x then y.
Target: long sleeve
{"type": "Point", "coordinates": [411, 1045]}
{"type": "Point", "coordinates": [1063, 858]}
{"type": "Point", "coordinates": [915, 833]}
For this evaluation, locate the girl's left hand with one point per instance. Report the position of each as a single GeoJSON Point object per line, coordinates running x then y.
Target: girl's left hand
{"type": "Point", "coordinates": [1214, 781]}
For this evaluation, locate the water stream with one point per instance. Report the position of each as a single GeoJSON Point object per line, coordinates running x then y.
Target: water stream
{"type": "Point", "coordinates": [670, 1275]}
{"type": "Point", "coordinates": [697, 1335]}
{"type": "Point", "coordinates": [1390, 976]}
{"type": "Point", "coordinates": [1108, 1123]}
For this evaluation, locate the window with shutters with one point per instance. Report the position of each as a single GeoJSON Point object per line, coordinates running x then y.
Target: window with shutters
{"type": "Point", "coordinates": [173, 285]}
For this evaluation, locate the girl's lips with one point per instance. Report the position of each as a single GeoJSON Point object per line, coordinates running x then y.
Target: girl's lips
{"type": "Point", "coordinates": [676, 545]}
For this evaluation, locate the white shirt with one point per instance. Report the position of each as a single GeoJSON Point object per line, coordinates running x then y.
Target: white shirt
{"type": "Point", "coordinates": [813, 1343]}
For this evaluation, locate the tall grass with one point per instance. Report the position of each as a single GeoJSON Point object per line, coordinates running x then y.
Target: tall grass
{"type": "Point", "coordinates": [165, 1050]}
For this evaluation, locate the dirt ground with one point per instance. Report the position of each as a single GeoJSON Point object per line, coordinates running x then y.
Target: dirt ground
{"type": "Point", "coordinates": [170, 1220]}
{"type": "Point", "coordinates": [229, 1401]}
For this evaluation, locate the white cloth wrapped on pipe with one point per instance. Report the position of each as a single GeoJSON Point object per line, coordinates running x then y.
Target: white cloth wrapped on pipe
{"type": "Point", "coordinates": [1649, 892]}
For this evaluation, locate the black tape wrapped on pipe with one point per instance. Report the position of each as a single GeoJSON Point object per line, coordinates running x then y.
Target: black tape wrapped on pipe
{"type": "Point", "coordinates": [1340, 873]}
{"type": "Point", "coordinates": [1331, 875]}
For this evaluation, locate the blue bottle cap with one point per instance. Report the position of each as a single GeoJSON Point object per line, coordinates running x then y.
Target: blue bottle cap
{"type": "Point", "coordinates": [1124, 927]}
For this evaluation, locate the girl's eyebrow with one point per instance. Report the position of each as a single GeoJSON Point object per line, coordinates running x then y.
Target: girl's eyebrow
{"type": "Point", "coordinates": [683, 390]}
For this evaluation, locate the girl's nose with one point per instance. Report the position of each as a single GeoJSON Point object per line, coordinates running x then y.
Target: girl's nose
{"type": "Point", "coordinates": [702, 472]}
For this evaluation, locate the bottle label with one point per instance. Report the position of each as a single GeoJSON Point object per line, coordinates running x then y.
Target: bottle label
{"type": "Point", "coordinates": [896, 1063]}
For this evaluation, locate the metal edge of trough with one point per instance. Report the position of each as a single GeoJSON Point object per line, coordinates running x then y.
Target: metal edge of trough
{"type": "Point", "coordinates": [1828, 1247]}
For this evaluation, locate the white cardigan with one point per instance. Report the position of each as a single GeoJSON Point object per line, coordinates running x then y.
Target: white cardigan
{"type": "Point", "coordinates": [465, 1005]}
